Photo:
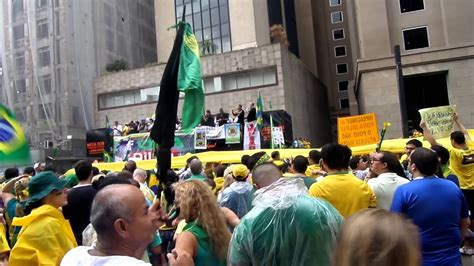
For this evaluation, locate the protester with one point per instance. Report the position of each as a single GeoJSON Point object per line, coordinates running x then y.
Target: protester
{"type": "Point", "coordinates": [125, 226]}
{"type": "Point", "coordinates": [195, 167]}
{"type": "Point", "coordinates": [221, 117]}
{"type": "Point", "coordinates": [386, 166]}
{"type": "Point", "coordinates": [208, 119]}
{"type": "Point", "coordinates": [410, 146]}
{"type": "Point", "coordinates": [299, 166]}
{"type": "Point", "coordinates": [314, 170]}
{"type": "Point", "coordinates": [205, 236]}
{"type": "Point", "coordinates": [359, 166]}
{"type": "Point", "coordinates": [185, 172]}
{"type": "Point", "coordinates": [275, 156]}
{"type": "Point", "coordinates": [29, 171]}
{"type": "Point", "coordinates": [140, 176]}
{"type": "Point", "coordinates": [14, 196]}
{"type": "Point", "coordinates": [39, 167]}
{"type": "Point", "coordinates": [78, 209]}
{"type": "Point", "coordinates": [342, 189]}
{"type": "Point", "coordinates": [238, 196]}
{"type": "Point", "coordinates": [130, 166]}
{"type": "Point", "coordinates": [252, 113]}
{"type": "Point", "coordinates": [117, 129]}
{"type": "Point", "coordinates": [444, 171]}
{"type": "Point", "coordinates": [45, 235]}
{"type": "Point", "coordinates": [285, 225]}
{"type": "Point", "coordinates": [461, 154]}
{"type": "Point", "coordinates": [437, 206]}
{"type": "Point", "coordinates": [10, 173]}
{"type": "Point", "coordinates": [376, 237]}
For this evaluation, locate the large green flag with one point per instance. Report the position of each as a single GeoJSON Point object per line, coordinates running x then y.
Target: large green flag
{"type": "Point", "coordinates": [190, 80]}
{"type": "Point", "coordinates": [13, 145]}
{"type": "Point", "coordinates": [259, 111]}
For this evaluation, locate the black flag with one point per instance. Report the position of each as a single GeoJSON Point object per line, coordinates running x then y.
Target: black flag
{"type": "Point", "coordinates": [164, 126]}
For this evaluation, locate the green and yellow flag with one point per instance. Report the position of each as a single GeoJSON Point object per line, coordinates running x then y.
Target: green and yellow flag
{"type": "Point", "coordinates": [190, 80]}
{"type": "Point", "coordinates": [13, 144]}
{"type": "Point", "coordinates": [259, 112]}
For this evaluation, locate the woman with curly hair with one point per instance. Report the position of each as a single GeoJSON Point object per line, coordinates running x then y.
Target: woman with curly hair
{"type": "Point", "coordinates": [205, 235]}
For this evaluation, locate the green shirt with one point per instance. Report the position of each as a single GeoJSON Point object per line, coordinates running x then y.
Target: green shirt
{"type": "Point", "coordinates": [197, 177]}
{"type": "Point", "coordinates": [204, 256]}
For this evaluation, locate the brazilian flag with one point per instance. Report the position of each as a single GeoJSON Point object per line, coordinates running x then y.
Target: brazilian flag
{"type": "Point", "coordinates": [13, 145]}
{"type": "Point", "coordinates": [190, 80]}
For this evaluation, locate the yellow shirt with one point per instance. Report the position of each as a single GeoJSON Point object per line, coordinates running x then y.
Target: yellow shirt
{"type": "Point", "coordinates": [311, 168]}
{"type": "Point", "coordinates": [462, 163]}
{"type": "Point", "coordinates": [345, 192]}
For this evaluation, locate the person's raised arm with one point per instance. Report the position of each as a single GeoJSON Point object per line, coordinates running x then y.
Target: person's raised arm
{"type": "Point", "coordinates": [461, 126]}
{"type": "Point", "coordinates": [427, 133]}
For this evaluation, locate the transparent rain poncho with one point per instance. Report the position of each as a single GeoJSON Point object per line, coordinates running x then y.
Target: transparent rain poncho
{"type": "Point", "coordinates": [238, 198]}
{"type": "Point", "coordinates": [286, 226]}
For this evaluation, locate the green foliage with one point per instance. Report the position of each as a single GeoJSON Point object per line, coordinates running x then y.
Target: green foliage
{"type": "Point", "coordinates": [116, 66]}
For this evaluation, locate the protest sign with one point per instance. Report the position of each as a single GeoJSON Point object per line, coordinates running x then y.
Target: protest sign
{"type": "Point", "coordinates": [200, 141]}
{"type": "Point", "coordinates": [232, 133]}
{"type": "Point", "coordinates": [357, 130]}
{"type": "Point", "coordinates": [439, 120]}
{"type": "Point", "coordinates": [251, 136]}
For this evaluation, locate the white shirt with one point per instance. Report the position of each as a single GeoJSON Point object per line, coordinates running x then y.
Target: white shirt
{"type": "Point", "coordinates": [384, 187]}
{"type": "Point", "coordinates": [80, 257]}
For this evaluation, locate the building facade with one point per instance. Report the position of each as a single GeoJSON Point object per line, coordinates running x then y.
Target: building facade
{"type": "Point", "coordinates": [437, 53]}
{"type": "Point", "coordinates": [53, 49]}
{"type": "Point", "coordinates": [229, 79]}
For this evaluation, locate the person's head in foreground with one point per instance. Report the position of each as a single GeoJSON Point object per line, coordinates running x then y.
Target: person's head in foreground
{"type": "Point", "coordinates": [374, 237]}
{"type": "Point", "coordinates": [423, 162]}
{"type": "Point", "coordinates": [198, 206]}
{"type": "Point", "coordinates": [335, 157]}
{"type": "Point", "coordinates": [123, 221]}
{"type": "Point", "coordinates": [458, 140]}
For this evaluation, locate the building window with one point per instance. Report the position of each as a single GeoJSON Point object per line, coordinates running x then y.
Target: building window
{"type": "Point", "coordinates": [45, 111]}
{"type": "Point", "coordinates": [336, 17]}
{"type": "Point", "coordinates": [132, 97]}
{"type": "Point", "coordinates": [344, 103]}
{"type": "Point", "coordinates": [20, 86]}
{"type": "Point", "coordinates": [46, 80]}
{"type": "Point", "coordinates": [338, 34]}
{"type": "Point", "coordinates": [334, 2]}
{"type": "Point", "coordinates": [341, 69]}
{"type": "Point", "coordinates": [20, 61]}
{"type": "Point", "coordinates": [343, 85]}
{"type": "Point", "coordinates": [57, 52]}
{"type": "Point", "coordinates": [43, 56]}
{"type": "Point", "coordinates": [42, 29]}
{"type": "Point", "coordinates": [340, 51]}
{"type": "Point", "coordinates": [210, 22]}
{"type": "Point", "coordinates": [411, 5]}
{"type": "Point", "coordinates": [17, 7]}
{"type": "Point", "coordinates": [252, 79]}
{"type": "Point", "coordinates": [18, 32]}
{"type": "Point", "coordinates": [41, 3]}
{"type": "Point", "coordinates": [416, 38]}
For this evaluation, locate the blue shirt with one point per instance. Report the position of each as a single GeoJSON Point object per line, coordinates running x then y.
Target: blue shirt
{"type": "Point", "coordinates": [436, 206]}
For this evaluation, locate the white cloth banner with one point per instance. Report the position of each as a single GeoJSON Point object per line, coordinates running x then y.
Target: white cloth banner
{"type": "Point", "coordinates": [251, 136]}
{"type": "Point", "coordinates": [277, 135]}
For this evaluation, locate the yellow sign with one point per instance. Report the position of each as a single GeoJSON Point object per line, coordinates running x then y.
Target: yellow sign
{"type": "Point", "coordinates": [439, 120]}
{"type": "Point", "coordinates": [357, 130]}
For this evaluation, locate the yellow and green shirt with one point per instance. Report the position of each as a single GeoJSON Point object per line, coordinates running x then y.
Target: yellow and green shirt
{"type": "Point", "coordinates": [462, 163]}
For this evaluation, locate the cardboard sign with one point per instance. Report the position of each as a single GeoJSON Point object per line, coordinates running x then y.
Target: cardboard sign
{"type": "Point", "coordinates": [439, 120]}
{"type": "Point", "coordinates": [357, 130]}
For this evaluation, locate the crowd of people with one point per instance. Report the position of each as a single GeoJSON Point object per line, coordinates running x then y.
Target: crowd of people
{"type": "Point", "coordinates": [330, 208]}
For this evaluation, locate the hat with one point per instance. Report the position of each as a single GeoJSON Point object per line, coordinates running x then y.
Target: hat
{"type": "Point", "coordinates": [42, 184]}
{"type": "Point", "coordinates": [240, 171]}
{"type": "Point", "coordinates": [71, 179]}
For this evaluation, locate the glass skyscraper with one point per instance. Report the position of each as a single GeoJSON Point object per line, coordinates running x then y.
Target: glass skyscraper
{"type": "Point", "coordinates": [210, 22]}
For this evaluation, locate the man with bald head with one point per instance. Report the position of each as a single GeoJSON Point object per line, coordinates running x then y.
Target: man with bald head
{"type": "Point", "coordinates": [125, 225]}
{"type": "Point", "coordinates": [292, 227]}
{"type": "Point", "coordinates": [140, 176]}
{"type": "Point", "coordinates": [196, 170]}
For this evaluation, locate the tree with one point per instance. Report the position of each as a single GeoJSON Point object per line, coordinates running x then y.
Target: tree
{"type": "Point", "coordinates": [208, 47]}
{"type": "Point", "coordinates": [117, 65]}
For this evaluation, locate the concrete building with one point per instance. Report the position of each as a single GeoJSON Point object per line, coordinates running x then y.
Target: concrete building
{"type": "Point", "coordinates": [53, 49]}
{"type": "Point", "coordinates": [229, 79]}
{"type": "Point", "coordinates": [437, 48]}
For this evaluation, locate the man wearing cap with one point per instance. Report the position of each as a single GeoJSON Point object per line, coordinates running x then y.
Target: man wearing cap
{"type": "Point", "coordinates": [78, 209]}
{"type": "Point", "coordinates": [45, 235]}
{"type": "Point", "coordinates": [238, 196]}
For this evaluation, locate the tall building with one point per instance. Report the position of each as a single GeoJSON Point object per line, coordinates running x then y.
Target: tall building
{"type": "Point", "coordinates": [437, 53]}
{"type": "Point", "coordinates": [53, 49]}
{"type": "Point", "coordinates": [239, 59]}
